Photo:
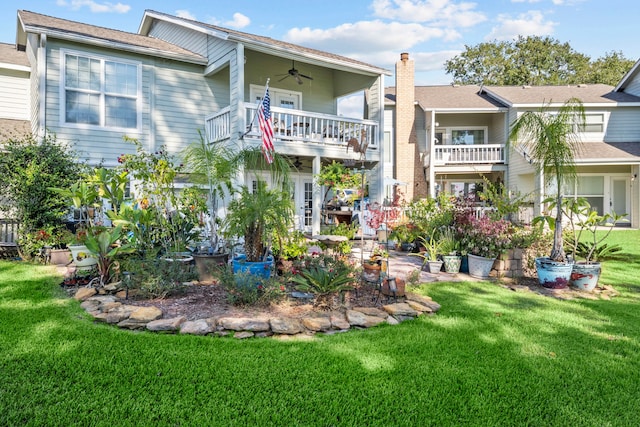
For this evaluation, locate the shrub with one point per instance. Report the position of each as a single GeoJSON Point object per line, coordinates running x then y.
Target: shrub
{"type": "Point", "coordinates": [28, 171]}
{"type": "Point", "coordinates": [157, 278]}
{"type": "Point", "coordinates": [247, 289]}
{"type": "Point", "coordinates": [483, 236]}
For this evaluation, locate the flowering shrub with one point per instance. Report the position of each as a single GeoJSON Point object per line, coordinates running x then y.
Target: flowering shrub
{"type": "Point", "coordinates": [483, 236]}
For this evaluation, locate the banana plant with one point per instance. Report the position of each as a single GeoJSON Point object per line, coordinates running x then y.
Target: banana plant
{"type": "Point", "coordinates": [105, 246]}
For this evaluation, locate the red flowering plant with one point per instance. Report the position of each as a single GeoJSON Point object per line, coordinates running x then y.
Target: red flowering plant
{"type": "Point", "coordinates": [482, 235]}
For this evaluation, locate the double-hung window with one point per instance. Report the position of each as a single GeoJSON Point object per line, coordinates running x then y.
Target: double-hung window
{"type": "Point", "coordinates": [100, 92]}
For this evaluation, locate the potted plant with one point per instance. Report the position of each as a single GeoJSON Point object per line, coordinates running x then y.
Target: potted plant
{"type": "Point", "coordinates": [432, 247]}
{"type": "Point", "coordinates": [254, 215]}
{"type": "Point", "coordinates": [483, 239]}
{"type": "Point", "coordinates": [586, 243]}
{"type": "Point", "coordinates": [449, 247]}
{"type": "Point", "coordinates": [405, 235]}
{"type": "Point", "coordinates": [550, 140]}
{"type": "Point", "coordinates": [211, 166]}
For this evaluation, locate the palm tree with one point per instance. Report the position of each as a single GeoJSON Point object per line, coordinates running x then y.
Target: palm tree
{"type": "Point", "coordinates": [216, 165]}
{"type": "Point", "coordinates": [256, 214]}
{"type": "Point", "coordinates": [550, 139]}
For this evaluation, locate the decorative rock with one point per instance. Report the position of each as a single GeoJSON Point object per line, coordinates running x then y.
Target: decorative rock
{"type": "Point", "coordinates": [339, 322]}
{"type": "Point", "coordinates": [131, 324]}
{"type": "Point", "coordinates": [166, 324]}
{"type": "Point", "coordinates": [285, 326]}
{"type": "Point", "coordinates": [103, 299]}
{"type": "Point", "coordinates": [419, 307]}
{"type": "Point", "coordinates": [89, 305]}
{"type": "Point", "coordinates": [392, 321]}
{"type": "Point", "coordinates": [108, 306]}
{"type": "Point", "coordinates": [371, 311]}
{"type": "Point", "coordinates": [84, 293]}
{"type": "Point", "coordinates": [196, 327]}
{"type": "Point", "coordinates": [145, 314]}
{"type": "Point", "coordinates": [317, 323]}
{"type": "Point", "coordinates": [400, 309]}
{"type": "Point", "coordinates": [263, 334]}
{"type": "Point", "coordinates": [356, 318]}
{"type": "Point", "coordinates": [434, 306]}
{"type": "Point", "coordinates": [244, 324]}
{"type": "Point", "coordinates": [371, 321]}
{"type": "Point", "coordinates": [112, 286]}
{"type": "Point", "coordinates": [243, 334]}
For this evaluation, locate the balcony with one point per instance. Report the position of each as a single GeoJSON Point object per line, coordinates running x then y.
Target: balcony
{"type": "Point", "coordinates": [468, 154]}
{"type": "Point", "coordinates": [298, 125]}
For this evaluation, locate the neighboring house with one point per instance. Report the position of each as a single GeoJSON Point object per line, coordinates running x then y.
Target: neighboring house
{"type": "Point", "coordinates": [15, 90]}
{"type": "Point", "coordinates": [456, 135]}
{"type": "Point", "coordinates": [91, 86]}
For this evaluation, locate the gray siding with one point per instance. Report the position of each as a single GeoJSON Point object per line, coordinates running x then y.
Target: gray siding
{"type": "Point", "coordinates": [186, 38]}
{"type": "Point", "coordinates": [175, 100]}
{"type": "Point", "coordinates": [623, 125]}
{"type": "Point", "coordinates": [633, 87]}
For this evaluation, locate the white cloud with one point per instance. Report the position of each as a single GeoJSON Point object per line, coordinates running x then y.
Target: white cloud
{"type": "Point", "coordinates": [363, 38]}
{"type": "Point", "coordinates": [531, 23]}
{"type": "Point", "coordinates": [239, 21]}
{"type": "Point", "coordinates": [445, 13]}
{"type": "Point", "coordinates": [352, 105]}
{"type": "Point", "coordinates": [95, 7]}
{"type": "Point", "coordinates": [183, 13]}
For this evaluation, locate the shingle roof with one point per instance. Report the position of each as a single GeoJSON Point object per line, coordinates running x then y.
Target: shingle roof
{"type": "Point", "coordinates": [608, 151]}
{"type": "Point", "coordinates": [588, 94]}
{"type": "Point", "coordinates": [247, 37]}
{"type": "Point", "coordinates": [44, 23]}
{"type": "Point", "coordinates": [10, 128]}
{"type": "Point", "coordinates": [10, 55]}
{"type": "Point", "coordinates": [449, 97]}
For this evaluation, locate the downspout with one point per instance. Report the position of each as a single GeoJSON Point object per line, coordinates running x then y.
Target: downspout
{"type": "Point", "coordinates": [42, 86]}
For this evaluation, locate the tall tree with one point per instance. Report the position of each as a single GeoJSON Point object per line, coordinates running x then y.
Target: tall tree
{"type": "Point", "coordinates": [610, 68]}
{"type": "Point", "coordinates": [534, 61]}
{"type": "Point", "coordinates": [549, 137]}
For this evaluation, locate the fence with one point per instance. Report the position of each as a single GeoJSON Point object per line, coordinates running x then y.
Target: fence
{"type": "Point", "coordinates": [8, 238]}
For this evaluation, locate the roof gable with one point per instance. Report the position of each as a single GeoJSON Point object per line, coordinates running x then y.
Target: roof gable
{"type": "Point", "coordinates": [258, 42]}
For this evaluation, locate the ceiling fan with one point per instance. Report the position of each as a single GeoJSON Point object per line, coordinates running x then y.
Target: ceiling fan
{"type": "Point", "coordinates": [295, 74]}
{"type": "Point", "coordinates": [297, 163]}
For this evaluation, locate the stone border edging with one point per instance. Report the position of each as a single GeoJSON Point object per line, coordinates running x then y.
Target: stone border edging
{"type": "Point", "coordinates": [108, 309]}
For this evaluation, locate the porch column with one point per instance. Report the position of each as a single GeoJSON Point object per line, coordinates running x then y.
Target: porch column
{"type": "Point", "coordinates": [316, 216]}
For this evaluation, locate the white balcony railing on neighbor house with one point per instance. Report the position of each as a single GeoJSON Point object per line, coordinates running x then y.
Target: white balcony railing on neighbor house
{"type": "Point", "coordinates": [466, 154]}
{"type": "Point", "coordinates": [298, 125]}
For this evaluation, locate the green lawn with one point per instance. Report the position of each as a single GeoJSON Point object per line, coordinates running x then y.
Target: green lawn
{"type": "Point", "coordinates": [490, 357]}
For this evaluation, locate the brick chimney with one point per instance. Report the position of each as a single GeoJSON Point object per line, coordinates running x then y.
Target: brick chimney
{"type": "Point", "coordinates": [407, 157]}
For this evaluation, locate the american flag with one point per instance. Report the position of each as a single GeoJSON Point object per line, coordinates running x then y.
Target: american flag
{"type": "Point", "coordinates": [266, 127]}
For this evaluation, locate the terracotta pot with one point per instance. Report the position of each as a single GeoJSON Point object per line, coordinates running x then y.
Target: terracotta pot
{"type": "Point", "coordinates": [399, 291]}
{"type": "Point", "coordinates": [371, 272]}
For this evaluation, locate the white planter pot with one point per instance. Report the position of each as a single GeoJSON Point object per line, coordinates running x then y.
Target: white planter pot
{"type": "Point", "coordinates": [480, 267]}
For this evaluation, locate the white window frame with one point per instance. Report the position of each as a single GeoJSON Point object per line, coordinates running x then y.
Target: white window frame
{"type": "Point", "coordinates": [102, 92]}
{"type": "Point", "coordinates": [447, 133]}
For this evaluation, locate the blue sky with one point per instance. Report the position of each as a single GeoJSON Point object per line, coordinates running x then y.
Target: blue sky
{"type": "Point", "coordinates": [377, 31]}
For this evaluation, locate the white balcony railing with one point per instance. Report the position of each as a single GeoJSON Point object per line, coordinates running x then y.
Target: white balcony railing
{"type": "Point", "coordinates": [298, 125]}
{"type": "Point", "coordinates": [468, 154]}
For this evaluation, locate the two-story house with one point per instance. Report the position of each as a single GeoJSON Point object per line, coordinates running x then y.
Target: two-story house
{"type": "Point", "coordinates": [91, 86]}
{"type": "Point", "coordinates": [454, 136]}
